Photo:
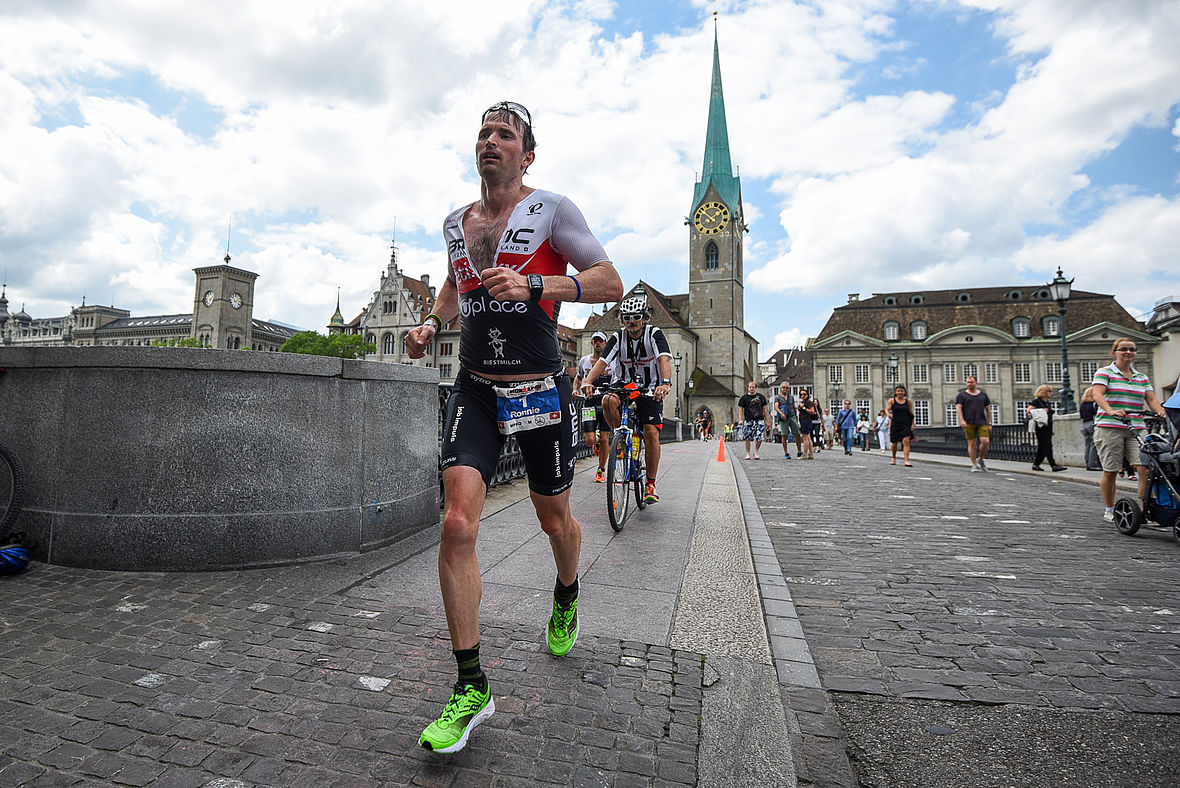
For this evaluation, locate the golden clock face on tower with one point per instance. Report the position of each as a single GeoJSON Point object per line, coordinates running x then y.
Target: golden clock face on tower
{"type": "Point", "coordinates": [711, 218]}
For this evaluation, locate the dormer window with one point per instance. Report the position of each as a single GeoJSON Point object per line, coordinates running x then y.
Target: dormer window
{"type": "Point", "coordinates": [918, 329]}
{"type": "Point", "coordinates": [917, 299]}
{"type": "Point", "coordinates": [1020, 327]}
{"type": "Point", "coordinates": [963, 298]}
{"type": "Point", "coordinates": [1042, 295]}
{"type": "Point", "coordinates": [1013, 295]}
{"type": "Point", "coordinates": [891, 331]}
{"type": "Point", "coordinates": [1052, 326]}
{"type": "Point", "coordinates": [890, 300]}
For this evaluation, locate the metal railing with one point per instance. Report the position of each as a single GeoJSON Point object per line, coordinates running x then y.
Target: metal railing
{"type": "Point", "coordinates": [1008, 442]}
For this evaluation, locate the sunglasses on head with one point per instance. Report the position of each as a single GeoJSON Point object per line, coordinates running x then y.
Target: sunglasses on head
{"type": "Point", "coordinates": [633, 317]}
{"type": "Point", "coordinates": [509, 106]}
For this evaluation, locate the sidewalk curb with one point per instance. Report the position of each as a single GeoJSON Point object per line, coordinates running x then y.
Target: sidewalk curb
{"type": "Point", "coordinates": [820, 751]}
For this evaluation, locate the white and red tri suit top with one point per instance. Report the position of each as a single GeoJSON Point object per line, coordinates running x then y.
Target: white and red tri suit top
{"type": "Point", "coordinates": [545, 233]}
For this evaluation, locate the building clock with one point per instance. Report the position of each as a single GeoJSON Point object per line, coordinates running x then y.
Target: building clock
{"type": "Point", "coordinates": [711, 218]}
{"type": "Point", "coordinates": [235, 300]}
{"type": "Point", "coordinates": [208, 299]}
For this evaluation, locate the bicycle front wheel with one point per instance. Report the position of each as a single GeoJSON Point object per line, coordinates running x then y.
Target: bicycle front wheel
{"type": "Point", "coordinates": [12, 489]}
{"type": "Point", "coordinates": [639, 475]}
{"type": "Point", "coordinates": [618, 462]}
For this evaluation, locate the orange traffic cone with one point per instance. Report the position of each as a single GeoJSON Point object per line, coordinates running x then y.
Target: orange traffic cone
{"type": "Point", "coordinates": [721, 451]}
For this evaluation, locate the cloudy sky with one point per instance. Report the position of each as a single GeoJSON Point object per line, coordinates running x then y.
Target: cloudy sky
{"type": "Point", "coordinates": [884, 145]}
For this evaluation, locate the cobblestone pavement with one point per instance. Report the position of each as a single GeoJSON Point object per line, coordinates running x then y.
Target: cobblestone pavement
{"type": "Point", "coordinates": [234, 679]}
{"type": "Point", "coordinates": [979, 629]}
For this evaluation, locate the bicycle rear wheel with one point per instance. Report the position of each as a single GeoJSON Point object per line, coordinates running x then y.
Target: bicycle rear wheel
{"type": "Point", "coordinates": [618, 461]}
{"type": "Point", "coordinates": [12, 489]}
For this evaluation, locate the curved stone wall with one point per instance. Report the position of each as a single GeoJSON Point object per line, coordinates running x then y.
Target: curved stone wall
{"type": "Point", "coordinates": [178, 459]}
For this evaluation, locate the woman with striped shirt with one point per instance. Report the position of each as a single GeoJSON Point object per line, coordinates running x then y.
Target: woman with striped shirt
{"type": "Point", "coordinates": [1121, 390]}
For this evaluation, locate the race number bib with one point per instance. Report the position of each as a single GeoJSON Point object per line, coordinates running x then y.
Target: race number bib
{"type": "Point", "coordinates": [527, 406]}
{"type": "Point", "coordinates": [589, 414]}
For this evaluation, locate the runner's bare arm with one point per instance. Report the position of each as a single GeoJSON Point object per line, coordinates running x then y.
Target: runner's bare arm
{"type": "Point", "coordinates": [446, 306]}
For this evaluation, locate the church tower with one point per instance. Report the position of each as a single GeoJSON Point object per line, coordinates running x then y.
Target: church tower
{"type": "Point", "coordinates": [716, 299]}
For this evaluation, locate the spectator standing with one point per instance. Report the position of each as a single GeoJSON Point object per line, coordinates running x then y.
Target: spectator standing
{"type": "Point", "coordinates": [901, 424]}
{"type": "Point", "coordinates": [1042, 426]}
{"type": "Point", "coordinates": [809, 415]}
{"type": "Point", "coordinates": [883, 429]}
{"type": "Point", "coordinates": [845, 423]}
{"type": "Point", "coordinates": [863, 428]}
{"type": "Point", "coordinates": [1121, 391]}
{"type": "Point", "coordinates": [754, 409]}
{"type": "Point", "coordinates": [975, 415]}
{"type": "Point", "coordinates": [829, 420]}
{"type": "Point", "coordinates": [1087, 411]}
{"type": "Point", "coordinates": [788, 423]}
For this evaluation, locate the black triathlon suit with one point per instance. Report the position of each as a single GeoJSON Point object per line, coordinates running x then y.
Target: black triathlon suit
{"type": "Point", "coordinates": [545, 233]}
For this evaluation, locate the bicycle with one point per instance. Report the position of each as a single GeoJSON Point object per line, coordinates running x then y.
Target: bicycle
{"type": "Point", "coordinates": [14, 555]}
{"type": "Point", "coordinates": [625, 462]}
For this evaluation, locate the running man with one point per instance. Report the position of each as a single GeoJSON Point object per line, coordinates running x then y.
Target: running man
{"type": "Point", "coordinates": [639, 354]}
{"type": "Point", "coordinates": [597, 424]}
{"type": "Point", "coordinates": [507, 286]}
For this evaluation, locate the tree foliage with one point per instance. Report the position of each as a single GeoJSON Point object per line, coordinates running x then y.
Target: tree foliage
{"type": "Point", "coordinates": [312, 343]}
{"type": "Point", "coordinates": [186, 342]}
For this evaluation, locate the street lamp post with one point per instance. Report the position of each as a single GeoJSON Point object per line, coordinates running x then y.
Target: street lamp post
{"type": "Point", "coordinates": [891, 377]}
{"type": "Point", "coordinates": [1059, 287]}
{"type": "Point", "coordinates": [691, 415]}
{"type": "Point", "coordinates": [676, 361]}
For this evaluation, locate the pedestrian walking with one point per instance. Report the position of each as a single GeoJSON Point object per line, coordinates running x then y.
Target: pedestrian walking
{"type": "Point", "coordinates": [753, 406]}
{"type": "Point", "coordinates": [507, 284]}
{"type": "Point", "coordinates": [863, 428]}
{"type": "Point", "coordinates": [901, 424]}
{"type": "Point", "coordinates": [1121, 391]}
{"type": "Point", "coordinates": [788, 422]}
{"type": "Point", "coordinates": [883, 430]}
{"type": "Point", "coordinates": [845, 424]}
{"type": "Point", "coordinates": [829, 420]}
{"type": "Point", "coordinates": [809, 415]}
{"type": "Point", "coordinates": [1040, 412]}
{"type": "Point", "coordinates": [1086, 412]}
{"type": "Point", "coordinates": [975, 415]}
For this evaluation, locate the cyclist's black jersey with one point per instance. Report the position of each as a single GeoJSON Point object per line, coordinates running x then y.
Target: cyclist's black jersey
{"type": "Point", "coordinates": [545, 233]}
{"type": "Point", "coordinates": [637, 360]}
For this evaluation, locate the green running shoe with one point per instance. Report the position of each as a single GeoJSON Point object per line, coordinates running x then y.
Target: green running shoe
{"type": "Point", "coordinates": [562, 631]}
{"type": "Point", "coordinates": [467, 708]}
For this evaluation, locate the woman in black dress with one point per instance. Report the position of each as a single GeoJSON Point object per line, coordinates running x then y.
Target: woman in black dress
{"type": "Point", "coordinates": [809, 414]}
{"type": "Point", "coordinates": [901, 424]}
{"type": "Point", "coordinates": [1044, 433]}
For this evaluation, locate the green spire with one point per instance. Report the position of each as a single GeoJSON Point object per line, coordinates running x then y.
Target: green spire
{"type": "Point", "coordinates": [717, 168]}
{"type": "Point", "coordinates": [337, 319]}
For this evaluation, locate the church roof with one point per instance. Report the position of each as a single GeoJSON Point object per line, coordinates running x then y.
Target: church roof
{"type": "Point", "coordinates": [717, 168]}
{"type": "Point", "coordinates": [666, 311]}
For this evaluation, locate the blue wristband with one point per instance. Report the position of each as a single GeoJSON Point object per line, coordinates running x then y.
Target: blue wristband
{"type": "Point", "coordinates": [578, 297]}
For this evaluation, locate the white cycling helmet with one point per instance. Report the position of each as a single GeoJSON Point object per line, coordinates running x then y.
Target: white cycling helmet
{"type": "Point", "coordinates": [634, 305]}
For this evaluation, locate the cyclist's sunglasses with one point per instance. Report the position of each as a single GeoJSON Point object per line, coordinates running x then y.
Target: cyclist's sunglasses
{"type": "Point", "coordinates": [509, 106]}
{"type": "Point", "coordinates": [632, 317]}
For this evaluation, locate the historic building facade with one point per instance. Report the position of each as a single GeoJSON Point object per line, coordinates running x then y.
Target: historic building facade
{"type": "Point", "coordinates": [222, 317]}
{"type": "Point", "coordinates": [930, 341]}
{"type": "Point", "coordinates": [706, 326]}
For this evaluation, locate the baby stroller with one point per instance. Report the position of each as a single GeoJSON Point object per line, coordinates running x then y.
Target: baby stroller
{"type": "Point", "coordinates": [1160, 454]}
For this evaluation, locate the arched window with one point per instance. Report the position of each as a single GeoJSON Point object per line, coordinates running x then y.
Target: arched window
{"type": "Point", "coordinates": [1020, 328]}
{"type": "Point", "coordinates": [918, 329]}
{"type": "Point", "coordinates": [372, 340]}
{"type": "Point", "coordinates": [712, 257]}
{"type": "Point", "coordinates": [891, 330]}
{"type": "Point", "coordinates": [387, 344]}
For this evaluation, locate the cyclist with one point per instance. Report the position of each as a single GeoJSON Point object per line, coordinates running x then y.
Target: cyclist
{"type": "Point", "coordinates": [508, 253]}
{"type": "Point", "coordinates": [639, 354]}
{"type": "Point", "coordinates": [598, 423]}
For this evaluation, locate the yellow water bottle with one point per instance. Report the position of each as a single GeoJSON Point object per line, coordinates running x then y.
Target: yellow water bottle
{"type": "Point", "coordinates": [635, 446]}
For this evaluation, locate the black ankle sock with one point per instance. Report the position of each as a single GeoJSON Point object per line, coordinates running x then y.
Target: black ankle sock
{"type": "Point", "coordinates": [563, 594]}
{"type": "Point", "coordinates": [469, 670]}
